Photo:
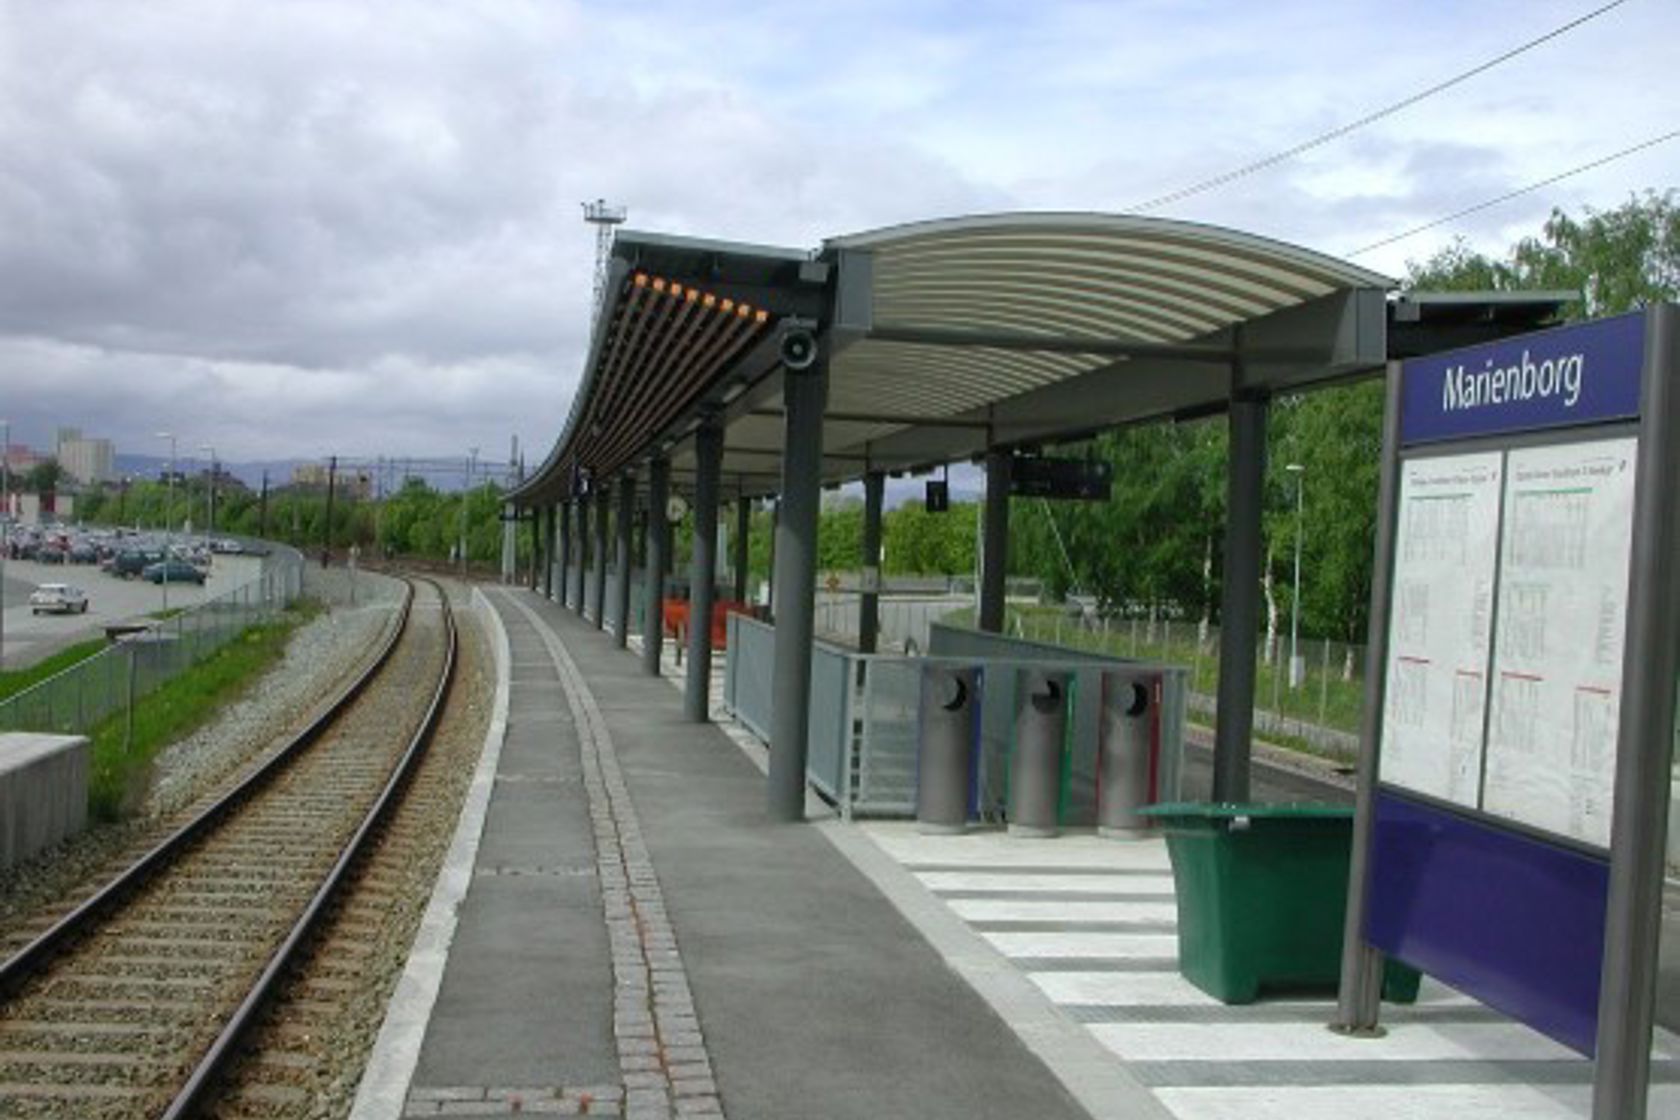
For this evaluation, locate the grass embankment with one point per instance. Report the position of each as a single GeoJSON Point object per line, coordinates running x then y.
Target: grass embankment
{"type": "Point", "coordinates": [16, 681]}
{"type": "Point", "coordinates": [180, 706]}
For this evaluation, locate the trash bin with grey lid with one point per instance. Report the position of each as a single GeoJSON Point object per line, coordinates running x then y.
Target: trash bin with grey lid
{"type": "Point", "coordinates": [947, 722]}
{"type": "Point", "coordinates": [1128, 754]}
{"type": "Point", "coordinates": [1037, 763]}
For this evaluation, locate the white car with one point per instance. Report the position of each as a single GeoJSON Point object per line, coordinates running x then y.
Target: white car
{"type": "Point", "coordinates": [59, 598]}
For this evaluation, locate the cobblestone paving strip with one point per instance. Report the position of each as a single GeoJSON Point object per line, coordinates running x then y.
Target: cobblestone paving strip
{"type": "Point", "coordinates": [661, 1050]}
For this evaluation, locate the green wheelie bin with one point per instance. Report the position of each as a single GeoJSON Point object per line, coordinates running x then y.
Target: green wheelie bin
{"type": "Point", "coordinates": [1262, 893]}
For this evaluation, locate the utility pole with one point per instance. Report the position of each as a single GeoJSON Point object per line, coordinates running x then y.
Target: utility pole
{"type": "Point", "coordinates": [332, 479]}
{"type": "Point", "coordinates": [262, 510]}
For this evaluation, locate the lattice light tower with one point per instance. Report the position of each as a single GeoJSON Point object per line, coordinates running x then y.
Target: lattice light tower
{"type": "Point", "coordinates": [603, 217]}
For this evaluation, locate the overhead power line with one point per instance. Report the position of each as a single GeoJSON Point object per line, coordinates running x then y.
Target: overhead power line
{"type": "Point", "coordinates": [1518, 193]}
{"type": "Point", "coordinates": [1320, 140]}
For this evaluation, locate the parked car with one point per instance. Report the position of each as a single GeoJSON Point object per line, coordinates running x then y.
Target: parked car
{"type": "Point", "coordinates": [173, 570]}
{"type": "Point", "coordinates": [133, 562]}
{"type": "Point", "coordinates": [58, 598]}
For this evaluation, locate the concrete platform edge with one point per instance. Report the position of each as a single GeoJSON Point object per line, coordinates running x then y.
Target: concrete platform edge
{"type": "Point", "coordinates": [390, 1069]}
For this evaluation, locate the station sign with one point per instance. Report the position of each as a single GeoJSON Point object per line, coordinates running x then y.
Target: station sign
{"type": "Point", "coordinates": [1038, 476]}
{"type": "Point", "coordinates": [1490, 835]}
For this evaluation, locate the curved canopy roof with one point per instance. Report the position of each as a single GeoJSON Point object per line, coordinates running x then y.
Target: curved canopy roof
{"type": "Point", "coordinates": [946, 337]}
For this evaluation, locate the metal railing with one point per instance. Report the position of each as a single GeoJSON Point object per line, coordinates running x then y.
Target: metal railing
{"type": "Point", "coordinates": [75, 700]}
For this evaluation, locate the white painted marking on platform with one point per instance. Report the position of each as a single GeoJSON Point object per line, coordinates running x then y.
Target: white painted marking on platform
{"type": "Point", "coordinates": [1056, 910]}
{"type": "Point", "coordinates": [1122, 989]}
{"type": "Point", "coordinates": [994, 848]}
{"type": "Point", "coordinates": [1028, 881]}
{"type": "Point", "coordinates": [1390, 1102]}
{"type": "Point", "coordinates": [1084, 944]}
{"type": "Point", "coordinates": [1313, 1042]}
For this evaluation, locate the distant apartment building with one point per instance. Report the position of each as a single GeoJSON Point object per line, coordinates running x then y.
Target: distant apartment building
{"type": "Point", "coordinates": [352, 484]}
{"type": "Point", "coordinates": [86, 461]}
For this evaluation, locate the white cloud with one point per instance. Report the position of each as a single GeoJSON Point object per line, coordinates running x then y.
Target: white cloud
{"type": "Point", "coordinates": [333, 227]}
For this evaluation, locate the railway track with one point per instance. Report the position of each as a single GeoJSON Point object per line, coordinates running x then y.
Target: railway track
{"type": "Point", "coordinates": [133, 1004]}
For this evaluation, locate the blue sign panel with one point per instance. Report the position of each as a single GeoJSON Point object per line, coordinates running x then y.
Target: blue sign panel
{"type": "Point", "coordinates": [1583, 374]}
{"type": "Point", "coordinates": [1510, 919]}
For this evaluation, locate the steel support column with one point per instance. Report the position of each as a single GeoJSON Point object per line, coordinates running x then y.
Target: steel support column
{"type": "Point", "coordinates": [547, 554]}
{"type": "Point", "coordinates": [743, 533]}
{"type": "Point", "coordinates": [598, 577]}
{"type": "Point", "coordinates": [1359, 997]}
{"type": "Point", "coordinates": [563, 557]}
{"type": "Point", "coordinates": [1239, 608]}
{"type": "Point", "coordinates": [702, 581]}
{"type": "Point", "coordinates": [994, 541]}
{"type": "Point", "coordinates": [869, 603]}
{"type": "Point", "coordinates": [658, 550]}
{"type": "Point", "coordinates": [581, 517]}
{"type": "Point", "coordinates": [626, 524]}
{"type": "Point", "coordinates": [805, 394]}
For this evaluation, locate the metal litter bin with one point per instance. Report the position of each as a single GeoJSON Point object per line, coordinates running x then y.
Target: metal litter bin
{"type": "Point", "coordinates": [1262, 892]}
{"type": "Point", "coordinates": [950, 708]}
{"type": "Point", "coordinates": [1037, 762]}
{"type": "Point", "coordinates": [1128, 752]}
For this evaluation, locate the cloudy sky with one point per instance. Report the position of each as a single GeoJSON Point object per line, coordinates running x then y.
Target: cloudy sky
{"type": "Point", "coordinates": [298, 228]}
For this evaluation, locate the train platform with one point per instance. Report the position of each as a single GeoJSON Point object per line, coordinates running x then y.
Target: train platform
{"type": "Point", "coordinates": [621, 931]}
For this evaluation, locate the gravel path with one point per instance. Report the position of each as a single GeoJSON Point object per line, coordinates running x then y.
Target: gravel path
{"type": "Point", "coordinates": [320, 658]}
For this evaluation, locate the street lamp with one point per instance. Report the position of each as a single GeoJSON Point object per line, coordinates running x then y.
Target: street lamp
{"type": "Point", "coordinates": [168, 512]}
{"type": "Point", "coordinates": [209, 497]}
{"type": "Point", "coordinates": [1297, 669]}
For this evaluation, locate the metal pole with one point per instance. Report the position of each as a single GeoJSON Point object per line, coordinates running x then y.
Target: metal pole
{"type": "Point", "coordinates": [1645, 743]}
{"type": "Point", "coordinates": [332, 484]}
{"type": "Point", "coordinates": [1295, 674]}
{"type": "Point", "coordinates": [658, 559]}
{"type": "Point", "coordinates": [580, 521]}
{"type": "Point", "coordinates": [598, 577]}
{"type": "Point", "coordinates": [869, 603]}
{"type": "Point", "coordinates": [805, 394]}
{"type": "Point", "coordinates": [1358, 1001]}
{"type": "Point", "coordinates": [626, 525]}
{"type": "Point", "coordinates": [1245, 472]}
{"type": "Point", "coordinates": [546, 551]}
{"type": "Point", "coordinates": [702, 580]}
{"type": "Point", "coordinates": [994, 550]}
{"type": "Point", "coordinates": [564, 555]}
{"type": "Point", "coordinates": [168, 512]}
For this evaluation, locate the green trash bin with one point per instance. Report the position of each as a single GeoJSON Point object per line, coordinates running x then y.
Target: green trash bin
{"type": "Point", "coordinates": [1262, 895]}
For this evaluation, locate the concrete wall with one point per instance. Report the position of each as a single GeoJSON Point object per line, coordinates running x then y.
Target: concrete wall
{"type": "Point", "coordinates": [43, 792]}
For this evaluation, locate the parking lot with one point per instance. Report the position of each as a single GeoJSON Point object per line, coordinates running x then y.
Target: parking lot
{"type": "Point", "coordinates": [29, 638]}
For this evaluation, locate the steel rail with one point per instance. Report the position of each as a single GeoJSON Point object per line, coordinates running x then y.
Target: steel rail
{"type": "Point", "coordinates": [25, 962]}
{"type": "Point", "coordinates": [216, 1057]}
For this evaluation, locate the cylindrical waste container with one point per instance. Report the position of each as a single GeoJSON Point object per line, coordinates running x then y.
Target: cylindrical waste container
{"type": "Point", "coordinates": [1035, 765]}
{"type": "Point", "coordinates": [1126, 753]}
{"type": "Point", "coordinates": [945, 747]}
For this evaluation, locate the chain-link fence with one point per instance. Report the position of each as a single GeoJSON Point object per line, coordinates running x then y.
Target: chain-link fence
{"type": "Point", "coordinates": [75, 700]}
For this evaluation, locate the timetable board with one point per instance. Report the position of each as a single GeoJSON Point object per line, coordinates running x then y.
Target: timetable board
{"type": "Point", "coordinates": [1556, 684]}
{"type": "Point", "coordinates": [1505, 638]}
{"type": "Point", "coordinates": [1439, 640]}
